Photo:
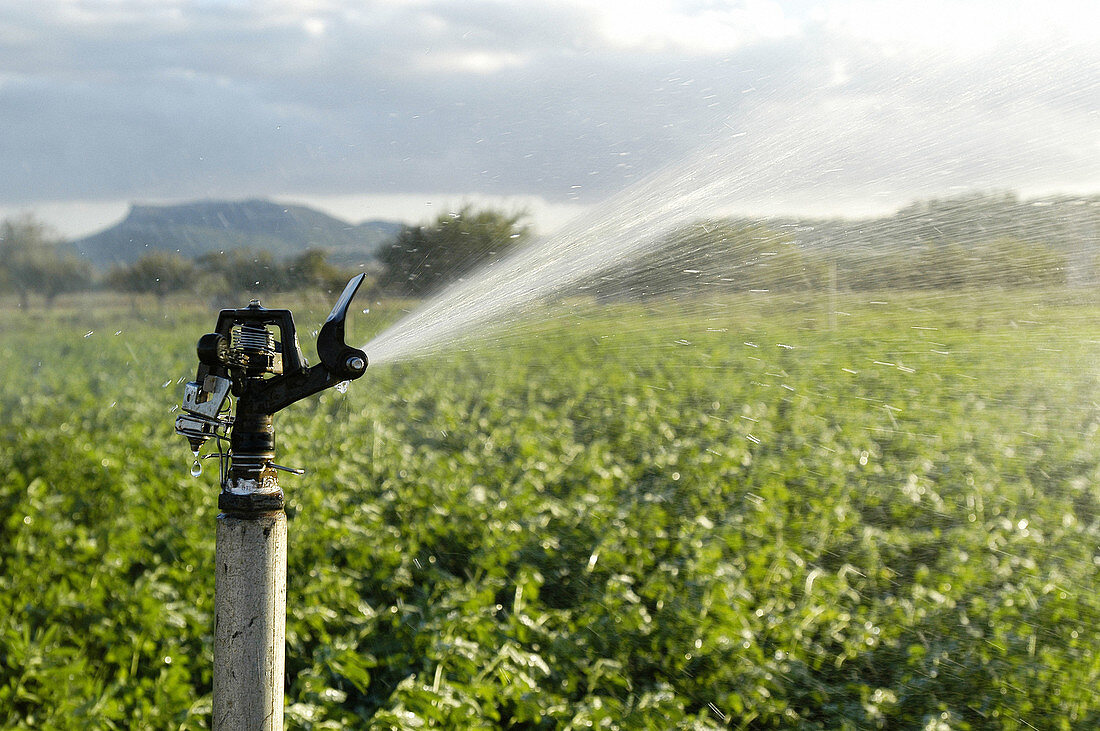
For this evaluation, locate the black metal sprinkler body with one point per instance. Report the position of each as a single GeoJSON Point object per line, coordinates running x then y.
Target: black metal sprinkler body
{"type": "Point", "coordinates": [264, 375]}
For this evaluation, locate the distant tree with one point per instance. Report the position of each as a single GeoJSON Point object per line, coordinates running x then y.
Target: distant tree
{"type": "Point", "coordinates": [1014, 263]}
{"type": "Point", "coordinates": [712, 256]}
{"type": "Point", "coordinates": [62, 274]}
{"type": "Point", "coordinates": [245, 270]}
{"type": "Point", "coordinates": [159, 273]}
{"type": "Point", "coordinates": [31, 262]}
{"type": "Point", "coordinates": [312, 270]}
{"type": "Point", "coordinates": [1001, 262]}
{"type": "Point", "coordinates": [424, 258]}
{"type": "Point", "coordinates": [943, 266]}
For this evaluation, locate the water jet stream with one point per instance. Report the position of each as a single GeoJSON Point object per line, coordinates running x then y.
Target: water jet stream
{"type": "Point", "coordinates": [773, 162]}
{"type": "Point", "coordinates": [620, 229]}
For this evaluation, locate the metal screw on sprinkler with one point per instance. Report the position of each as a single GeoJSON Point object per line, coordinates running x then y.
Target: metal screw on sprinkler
{"type": "Point", "coordinates": [243, 358]}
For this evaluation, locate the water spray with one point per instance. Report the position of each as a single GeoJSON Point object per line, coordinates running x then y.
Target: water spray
{"type": "Point", "coordinates": [241, 363]}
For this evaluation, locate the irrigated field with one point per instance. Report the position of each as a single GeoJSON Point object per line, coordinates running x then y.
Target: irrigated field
{"type": "Point", "coordinates": [638, 516]}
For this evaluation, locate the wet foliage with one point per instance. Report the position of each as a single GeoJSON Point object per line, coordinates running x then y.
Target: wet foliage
{"type": "Point", "coordinates": [635, 516]}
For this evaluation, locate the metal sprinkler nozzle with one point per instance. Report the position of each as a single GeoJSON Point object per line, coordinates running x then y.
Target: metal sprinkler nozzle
{"type": "Point", "coordinates": [243, 358]}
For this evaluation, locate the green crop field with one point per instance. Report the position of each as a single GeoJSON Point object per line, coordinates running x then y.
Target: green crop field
{"type": "Point", "coordinates": [694, 515]}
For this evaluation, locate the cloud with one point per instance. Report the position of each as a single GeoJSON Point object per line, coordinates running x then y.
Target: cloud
{"type": "Point", "coordinates": [567, 101]}
{"type": "Point", "coordinates": [705, 29]}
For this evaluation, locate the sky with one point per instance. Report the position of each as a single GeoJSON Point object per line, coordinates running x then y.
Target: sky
{"type": "Point", "coordinates": [404, 109]}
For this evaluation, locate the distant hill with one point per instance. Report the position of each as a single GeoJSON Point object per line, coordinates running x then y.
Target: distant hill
{"type": "Point", "coordinates": [196, 228]}
{"type": "Point", "coordinates": [1069, 225]}
{"type": "Point", "coordinates": [1064, 223]}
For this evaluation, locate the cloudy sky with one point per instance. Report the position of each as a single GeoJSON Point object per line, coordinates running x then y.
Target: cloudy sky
{"type": "Point", "coordinates": [400, 108]}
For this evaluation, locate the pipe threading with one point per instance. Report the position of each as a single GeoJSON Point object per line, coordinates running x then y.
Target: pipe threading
{"type": "Point", "coordinates": [252, 486]}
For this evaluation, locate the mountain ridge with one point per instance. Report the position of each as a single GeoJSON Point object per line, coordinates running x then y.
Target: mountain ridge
{"type": "Point", "coordinates": [199, 227]}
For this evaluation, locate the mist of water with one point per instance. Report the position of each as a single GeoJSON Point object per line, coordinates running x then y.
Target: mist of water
{"type": "Point", "coordinates": [616, 232]}
{"type": "Point", "coordinates": [749, 171]}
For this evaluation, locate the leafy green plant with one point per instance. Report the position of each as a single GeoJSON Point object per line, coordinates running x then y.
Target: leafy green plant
{"type": "Point", "coordinates": [633, 517]}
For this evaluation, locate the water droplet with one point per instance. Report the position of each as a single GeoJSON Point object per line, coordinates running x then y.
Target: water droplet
{"type": "Point", "coordinates": [196, 468]}
{"type": "Point", "coordinates": [342, 386]}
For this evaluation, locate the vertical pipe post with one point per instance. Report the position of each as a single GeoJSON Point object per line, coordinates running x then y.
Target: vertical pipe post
{"type": "Point", "coordinates": [250, 584]}
{"type": "Point", "coordinates": [249, 621]}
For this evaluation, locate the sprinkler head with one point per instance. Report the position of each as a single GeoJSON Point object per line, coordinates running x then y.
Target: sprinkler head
{"type": "Point", "coordinates": [265, 375]}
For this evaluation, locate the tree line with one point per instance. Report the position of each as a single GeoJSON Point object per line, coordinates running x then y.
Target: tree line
{"type": "Point", "coordinates": [727, 255]}
{"type": "Point", "coordinates": [740, 255]}
{"type": "Point", "coordinates": [32, 262]}
{"type": "Point", "coordinates": [708, 256]}
{"type": "Point", "coordinates": [36, 262]}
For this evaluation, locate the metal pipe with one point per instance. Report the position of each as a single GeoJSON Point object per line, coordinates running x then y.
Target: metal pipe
{"type": "Point", "coordinates": [249, 621]}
